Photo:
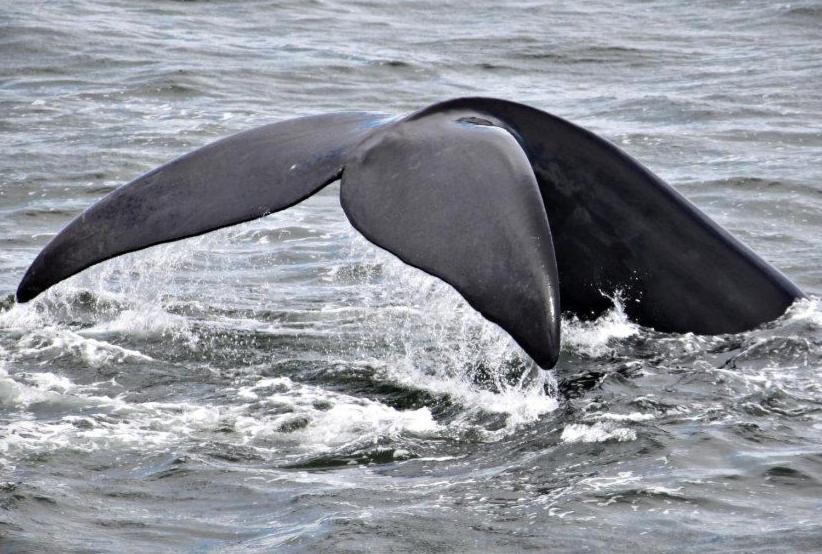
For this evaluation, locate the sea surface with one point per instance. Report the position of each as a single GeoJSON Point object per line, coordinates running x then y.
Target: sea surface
{"type": "Point", "coordinates": [283, 385]}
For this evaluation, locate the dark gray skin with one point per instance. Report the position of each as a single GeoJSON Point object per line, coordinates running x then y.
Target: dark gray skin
{"type": "Point", "coordinates": [619, 228]}
{"type": "Point", "coordinates": [513, 207]}
{"type": "Point", "coordinates": [236, 179]}
{"type": "Point", "coordinates": [460, 201]}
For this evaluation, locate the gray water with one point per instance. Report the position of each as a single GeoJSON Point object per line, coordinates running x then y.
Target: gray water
{"type": "Point", "coordinates": [284, 385]}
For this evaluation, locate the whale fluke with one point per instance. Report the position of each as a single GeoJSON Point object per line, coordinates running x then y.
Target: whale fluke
{"type": "Point", "coordinates": [517, 209]}
{"type": "Point", "coordinates": [458, 199]}
{"type": "Point", "coordinates": [236, 179]}
{"type": "Point", "coordinates": [620, 229]}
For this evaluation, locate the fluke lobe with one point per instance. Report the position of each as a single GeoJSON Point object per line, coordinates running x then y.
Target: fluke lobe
{"type": "Point", "coordinates": [515, 208]}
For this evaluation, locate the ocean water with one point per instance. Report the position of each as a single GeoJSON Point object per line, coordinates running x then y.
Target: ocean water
{"type": "Point", "coordinates": [284, 385]}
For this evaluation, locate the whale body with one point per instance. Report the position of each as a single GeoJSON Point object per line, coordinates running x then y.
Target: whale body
{"type": "Point", "coordinates": [525, 214]}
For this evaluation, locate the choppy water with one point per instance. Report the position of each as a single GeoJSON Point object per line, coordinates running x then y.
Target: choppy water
{"type": "Point", "coordinates": [283, 384]}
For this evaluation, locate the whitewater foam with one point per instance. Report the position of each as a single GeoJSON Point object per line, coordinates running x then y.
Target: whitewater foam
{"type": "Point", "coordinates": [597, 432]}
{"type": "Point", "coordinates": [597, 338]}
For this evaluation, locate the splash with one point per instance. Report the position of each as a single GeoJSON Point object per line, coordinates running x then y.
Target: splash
{"type": "Point", "coordinates": [123, 297]}
{"type": "Point", "coordinates": [805, 311]}
{"type": "Point", "coordinates": [274, 414]}
{"type": "Point", "coordinates": [439, 344]}
{"type": "Point", "coordinates": [598, 432]}
{"type": "Point", "coordinates": [321, 420]}
{"type": "Point", "coordinates": [597, 338]}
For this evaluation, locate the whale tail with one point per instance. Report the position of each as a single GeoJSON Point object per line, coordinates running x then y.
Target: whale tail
{"type": "Point", "coordinates": [237, 179]}
{"type": "Point", "coordinates": [515, 208]}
